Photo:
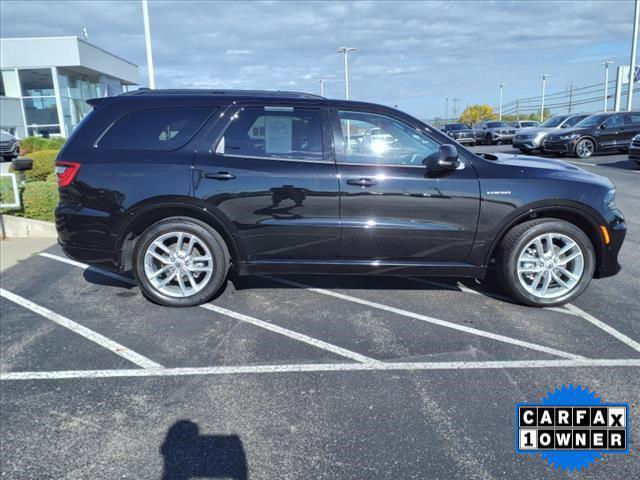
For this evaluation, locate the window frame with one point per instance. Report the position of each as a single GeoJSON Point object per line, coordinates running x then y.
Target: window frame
{"type": "Point", "coordinates": [327, 157]}
{"type": "Point", "coordinates": [339, 139]}
{"type": "Point", "coordinates": [212, 111]}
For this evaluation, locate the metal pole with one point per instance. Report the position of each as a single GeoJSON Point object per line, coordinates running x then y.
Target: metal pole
{"type": "Point", "coordinates": [570, 95]}
{"type": "Point", "coordinates": [321, 81]}
{"type": "Point", "coordinates": [544, 81]}
{"type": "Point", "coordinates": [518, 109]}
{"type": "Point", "coordinates": [606, 83]}
{"type": "Point", "coordinates": [455, 107]}
{"type": "Point", "coordinates": [634, 46]}
{"type": "Point", "coordinates": [345, 51]}
{"type": "Point", "coordinates": [147, 39]}
{"type": "Point", "coordinates": [446, 108]}
{"type": "Point", "coordinates": [500, 115]}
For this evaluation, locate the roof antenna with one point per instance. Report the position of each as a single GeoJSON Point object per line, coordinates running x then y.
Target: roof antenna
{"type": "Point", "coordinates": [85, 34]}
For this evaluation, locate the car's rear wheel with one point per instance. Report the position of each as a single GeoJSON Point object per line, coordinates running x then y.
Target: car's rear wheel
{"type": "Point", "coordinates": [180, 262]}
{"type": "Point", "coordinates": [545, 262]}
{"type": "Point", "coordinates": [585, 148]}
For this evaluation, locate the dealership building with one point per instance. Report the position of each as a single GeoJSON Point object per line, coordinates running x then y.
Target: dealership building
{"type": "Point", "coordinates": [45, 81]}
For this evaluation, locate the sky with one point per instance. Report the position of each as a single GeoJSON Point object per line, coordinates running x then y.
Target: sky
{"type": "Point", "coordinates": [410, 54]}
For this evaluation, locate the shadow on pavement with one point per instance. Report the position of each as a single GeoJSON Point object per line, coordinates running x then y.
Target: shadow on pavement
{"type": "Point", "coordinates": [187, 454]}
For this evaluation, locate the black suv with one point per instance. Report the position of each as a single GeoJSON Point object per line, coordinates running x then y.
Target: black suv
{"type": "Point", "coordinates": [596, 133]}
{"type": "Point", "coordinates": [460, 132]}
{"type": "Point", "coordinates": [182, 186]}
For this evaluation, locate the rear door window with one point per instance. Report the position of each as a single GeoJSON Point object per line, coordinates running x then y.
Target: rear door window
{"type": "Point", "coordinates": [285, 133]}
{"type": "Point", "coordinates": [155, 128]}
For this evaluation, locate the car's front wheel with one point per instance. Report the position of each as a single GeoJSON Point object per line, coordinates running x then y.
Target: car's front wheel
{"type": "Point", "coordinates": [545, 262]}
{"type": "Point", "coordinates": [488, 140]}
{"type": "Point", "coordinates": [180, 262]}
{"type": "Point", "coordinates": [585, 148]}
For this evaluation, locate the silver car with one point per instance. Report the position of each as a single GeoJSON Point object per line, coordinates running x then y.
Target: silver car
{"type": "Point", "coordinates": [9, 146]}
{"type": "Point", "coordinates": [529, 139]}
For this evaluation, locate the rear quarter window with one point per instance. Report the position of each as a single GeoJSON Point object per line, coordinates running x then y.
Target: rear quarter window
{"type": "Point", "coordinates": [154, 128]}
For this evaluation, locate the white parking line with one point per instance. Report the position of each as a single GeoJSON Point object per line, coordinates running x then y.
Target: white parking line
{"type": "Point", "coordinates": [600, 324]}
{"type": "Point", "coordinates": [291, 334]}
{"type": "Point", "coordinates": [238, 316]}
{"type": "Point", "coordinates": [84, 266]}
{"type": "Point", "coordinates": [87, 333]}
{"type": "Point", "coordinates": [324, 367]}
{"type": "Point", "coordinates": [435, 321]}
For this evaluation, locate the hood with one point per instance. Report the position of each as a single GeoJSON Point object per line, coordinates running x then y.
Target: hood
{"type": "Point", "coordinates": [6, 136]}
{"type": "Point", "coordinates": [569, 131]}
{"type": "Point", "coordinates": [529, 130]}
{"type": "Point", "coordinates": [552, 167]}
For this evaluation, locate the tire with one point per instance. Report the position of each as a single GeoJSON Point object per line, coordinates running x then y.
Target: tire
{"type": "Point", "coordinates": [210, 281]}
{"type": "Point", "coordinates": [8, 159]}
{"type": "Point", "coordinates": [520, 238]}
{"type": "Point", "coordinates": [585, 148]}
{"type": "Point", "coordinates": [488, 140]}
{"type": "Point", "coordinates": [525, 150]}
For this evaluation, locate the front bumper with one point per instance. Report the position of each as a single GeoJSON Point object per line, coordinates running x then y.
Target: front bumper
{"type": "Point", "coordinates": [465, 140]}
{"type": "Point", "coordinates": [559, 146]}
{"type": "Point", "coordinates": [9, 150]}
{"type": "Point", "coordinates": [609, 264]}
{"type": "Point", "coordinates": [527, 143]}
{"type": "Point", "coordinates": [503, 137]}
{"type": "Point", "coordinates": [634, 152]}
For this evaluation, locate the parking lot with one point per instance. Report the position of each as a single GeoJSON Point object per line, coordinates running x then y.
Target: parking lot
{"type": "Point", "coordinates": [304, 377]}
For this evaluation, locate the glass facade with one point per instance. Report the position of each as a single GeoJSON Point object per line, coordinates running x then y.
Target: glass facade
{"type": "Point", "coordinates": [54, 99]}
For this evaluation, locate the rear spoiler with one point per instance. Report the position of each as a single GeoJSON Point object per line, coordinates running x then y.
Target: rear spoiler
{"type": "Point", "coordinates": [95, 102]}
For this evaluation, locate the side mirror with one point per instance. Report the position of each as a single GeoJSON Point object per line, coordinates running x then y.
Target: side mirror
{"type": "Point", "coordinates": [564, 125]}
{"type": "Point", "coordinates": [446, 158]}
{"type": "Point", "coordinates": [603, 126]}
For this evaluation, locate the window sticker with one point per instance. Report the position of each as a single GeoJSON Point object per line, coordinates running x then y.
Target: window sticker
{"type": "Point", "coordinates": [278, 134]}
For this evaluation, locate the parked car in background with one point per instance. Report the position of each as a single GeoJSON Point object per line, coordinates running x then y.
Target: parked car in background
{"type": "Point", "coordinates": [634, 149]}
{"type": "Point", "coordinates": [491, 132]}
{"type": "Point", "coordinates": [9, 146]}
{"type": "Point", "coordinates": [529, 139]}
{"type": "Point", "coordinates": [460, 132]}
{"type": "Point", "coordinates": [213, 181]}
{"type": "Point", "coordinates": [596, 133]}
{"type": "Point", "coordinates": [518, 124]}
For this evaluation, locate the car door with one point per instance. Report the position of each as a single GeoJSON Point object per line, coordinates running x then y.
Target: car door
{"type": "Point", "coordinates": [610, 133]}
{"type": "Point", "coordinates": [270, 174]}
{"type": "Point", "coordinates": [391, 207]}
{"type": "Point", "coordinates": [631, 128]}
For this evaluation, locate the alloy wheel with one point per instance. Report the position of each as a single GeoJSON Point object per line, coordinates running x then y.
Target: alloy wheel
{"type": "Point", "coordinates": [550, 266]}
{"type": "Point", "coordinates": [585, 148]}
{"type": "Point", "coordinates": [178, 264]}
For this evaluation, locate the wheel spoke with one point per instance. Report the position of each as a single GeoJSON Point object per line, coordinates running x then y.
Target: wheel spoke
{"type": "Point", "coordinates": [159, 257]}
{"type": "Point", "coordinates": [205, 258]}
{"type": "Point", "coordinates": [183, 287]}
{"type": "Point", "coordinates": [179, 242]}
{"type": "Point", "coordinates": [536, 281]}
{"type": "Point", "coordinates": [166, 281]}
{"type": "Point", "coordinates": [545, 284]}
{"type": "Point", "coordinates": [566, 272]}
{"type": "Point", "coordinates": [200, 268]}
{"type": "Point", "coordinates": [568, 258]}
{"type": "Point", "coordinates": [160, 271]}
{"type": "Point", "coordinates": [162, 247]}
{"type": "Point", "coordinates": [192, 281]}
{"type": "Point", "coordinates": [190, 245]}
{"type": "Point", "coordinates": [558, 279]}
{"type": "Point", "coordinates": [539, 247]}
{"type": "Point", "coordinates": [549, 244]}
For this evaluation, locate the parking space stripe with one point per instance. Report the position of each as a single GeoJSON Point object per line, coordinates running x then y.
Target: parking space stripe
{"type": "Point", "coordinates": [238, 316]}
{"type": "Point", "coordinates": [87, 333]}
{"type": "Point", "coordinates": [603, 326]}
{"type": "Point", "coordinates": [435, 321]}
{"type": "Point", "coordinates": [84, 266]}
{"type": "Point", "coordinates": [323, 367]}
{"type": "Point", "coordinates": [291, 334]}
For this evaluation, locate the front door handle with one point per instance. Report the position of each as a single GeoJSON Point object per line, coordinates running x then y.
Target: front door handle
{"type": "Point", "coordinates": [220, 176]}
{"type": "Point", "coordinates": [361, 182]}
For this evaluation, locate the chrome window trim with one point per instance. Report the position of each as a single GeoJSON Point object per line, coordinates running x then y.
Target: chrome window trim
{"type": "Point", "coordinates": [278, 159]}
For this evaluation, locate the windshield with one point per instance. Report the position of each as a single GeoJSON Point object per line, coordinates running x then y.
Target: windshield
{"type": "Point", "coordinates": [554, 121]}
{"type": "Point", "coordinates": [592, 121]}
{"type": "Point", "coordinates": [528, 124]}
{"type": "Point", "coordinates": [496, 124]}
{"type": "Point", "coordinates": [455, 126]}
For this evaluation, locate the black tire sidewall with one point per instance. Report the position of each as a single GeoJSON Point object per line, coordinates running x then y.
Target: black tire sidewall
{"type": "Point", "coordinates": [509, 270]}
{"type": "Point", "coordinates": [204, 232]}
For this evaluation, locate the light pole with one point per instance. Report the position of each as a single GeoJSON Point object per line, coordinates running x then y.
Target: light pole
{"type": "Point", "coordinates": [606, 82]}
{"type": "Point", "coordinates": [500, 114]}
{"type": "Point", "coordinates": [147, 39]}
{"type": "Point", "coordinates": [544, 83]}
{"type": "Point", "coordinates": [345, 51]}
{"type": "Point", "coordinates": [634, 46]}
{"type": "Point", "coordinates": [321, 82]}
{"type": "Point", "coordinates": [446, 108]}
{"type": "Point", "coordinates": [455, 106]}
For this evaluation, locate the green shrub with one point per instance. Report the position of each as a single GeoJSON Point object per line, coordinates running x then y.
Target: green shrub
{"type": "Point", "coordinates": [36, 144]}
{"type": "Point", "coordinates": [40, 200]}
{"type": "Point", "coordinates": [44, 164]}
{"type": "Point", "coordinates": [52, 177]}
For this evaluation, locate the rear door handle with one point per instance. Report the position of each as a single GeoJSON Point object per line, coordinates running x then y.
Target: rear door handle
{"type": "Point", "coordinates": [220, 176]}
{"type": "Point", "coordinates": [361, 182]}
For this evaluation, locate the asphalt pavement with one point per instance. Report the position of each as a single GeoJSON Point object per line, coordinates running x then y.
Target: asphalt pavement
{"type": "Point", "coordinates": [304, 377]}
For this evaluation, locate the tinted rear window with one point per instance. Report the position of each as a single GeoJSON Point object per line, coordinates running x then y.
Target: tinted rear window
{"type": "Point", "coordinates": [155, 128]}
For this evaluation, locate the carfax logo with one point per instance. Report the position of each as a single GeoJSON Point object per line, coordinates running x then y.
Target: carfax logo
{"type": "Point", "coordinates": [571, 427]}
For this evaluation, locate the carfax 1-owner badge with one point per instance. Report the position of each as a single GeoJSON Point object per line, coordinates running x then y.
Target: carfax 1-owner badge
{"type": "Point", "coordinates": [572, 427]}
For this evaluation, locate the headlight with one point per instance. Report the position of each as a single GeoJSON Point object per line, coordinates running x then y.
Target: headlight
{"type": "Point", "coordinates": [570, 136]}
{"type": "Point", "coordinates": [610, 199]}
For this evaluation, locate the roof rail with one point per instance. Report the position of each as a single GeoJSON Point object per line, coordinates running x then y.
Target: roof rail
{"type": "Point", "coordinates": [236, 93]}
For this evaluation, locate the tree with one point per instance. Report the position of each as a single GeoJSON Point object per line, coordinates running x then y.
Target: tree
{"type": "Point", "coordinates": [477, 113]}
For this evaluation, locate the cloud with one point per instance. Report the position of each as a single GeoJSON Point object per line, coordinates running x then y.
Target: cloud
{"type": "Point", "coordinates": [413, 54]}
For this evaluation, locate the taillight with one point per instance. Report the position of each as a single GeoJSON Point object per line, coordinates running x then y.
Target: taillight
{"type": "Point", "coordinates": [66, 171]}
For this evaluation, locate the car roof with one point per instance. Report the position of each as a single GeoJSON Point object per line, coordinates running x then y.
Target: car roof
{"type": "Point", "coordinates": [219, 92]}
